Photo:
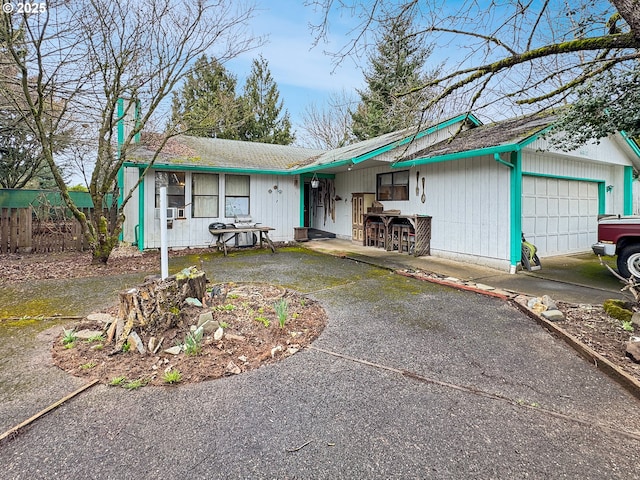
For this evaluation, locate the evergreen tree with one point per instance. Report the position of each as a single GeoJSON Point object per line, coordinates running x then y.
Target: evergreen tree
{"type": "Point", "coordinates": [206, 106]}
{"type": "Point", "coordinates": [263, 120]}
{"type": "Point", "coordinates": [395, 68]}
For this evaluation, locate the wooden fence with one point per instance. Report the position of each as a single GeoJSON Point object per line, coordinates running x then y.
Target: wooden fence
{"type": "Point", "coordinates": [20, 232]}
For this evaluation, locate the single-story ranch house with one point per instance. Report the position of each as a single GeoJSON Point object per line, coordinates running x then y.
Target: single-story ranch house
{"type": "Point", "coordinates": [469, 190]}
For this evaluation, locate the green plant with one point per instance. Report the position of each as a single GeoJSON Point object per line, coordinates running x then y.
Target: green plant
{"type": "Point", "coordinates": [263, 320]}
{"type": "Point", "coordinates": [88, 365]}
{"type": "Point", "coordinates": [116, 381]}
{"type": "Point", "coordinates": [282, 310]}
{"type": "Point", "coordinates": [95, 338]}
{"type": "Point", "coordinates": [232, 295]}
{"type": "Point", "coordinates": [135, 384]}
{"type": "Point", "coordinates": [193, 342]}
{"type": "Point", "coordinates": [68, 336]}
{"type": "Point", "coordinates": [175, 310]}
{"type": "Point", "coordinates": [223, 324]}
{"type": "Point", "coordinates": [627, 326]}
{"type": "Point", "coordinates": [172, 376]}
{"type": "Point", "coordinates": [126, 347]}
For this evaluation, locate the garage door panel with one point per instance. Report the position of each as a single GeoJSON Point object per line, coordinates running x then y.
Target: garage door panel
{"type": "Point", "coordinates": [563, 214]}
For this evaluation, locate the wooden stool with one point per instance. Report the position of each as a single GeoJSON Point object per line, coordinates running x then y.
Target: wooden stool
{"type": "Point", "coordinates": [396, 235]}
{"type": "Point", "coordinates": [404, 238]}
{"type": "Point", "coordinates": [372, 234]}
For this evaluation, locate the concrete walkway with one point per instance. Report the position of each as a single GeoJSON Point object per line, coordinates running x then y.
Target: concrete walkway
{"type": "Point", "coordinates": [408, 380]}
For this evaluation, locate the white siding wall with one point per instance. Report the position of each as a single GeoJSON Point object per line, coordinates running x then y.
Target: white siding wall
{"type": "Point", "coordinates": [279, 209]}
{"type": "Point", "coordinates": [131, 208]}
{"type": "Point", "coordinates": [608, 150]}
{"type": "Point", "coordinates": [468, 200]}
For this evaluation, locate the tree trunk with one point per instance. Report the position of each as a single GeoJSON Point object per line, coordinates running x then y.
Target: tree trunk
{"type": "Point", "coordinates": [155, 306]}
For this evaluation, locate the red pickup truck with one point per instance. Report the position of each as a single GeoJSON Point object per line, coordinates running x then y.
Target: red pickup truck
{"type": "Point", "coordinates": [618, 235]}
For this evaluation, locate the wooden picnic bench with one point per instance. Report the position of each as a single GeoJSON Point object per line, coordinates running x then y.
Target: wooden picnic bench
{"type": "Point", "coordinates": [263, 235]}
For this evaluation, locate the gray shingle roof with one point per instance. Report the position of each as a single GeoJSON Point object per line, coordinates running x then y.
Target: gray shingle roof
{"type": "Point", "coordinates": [508, 132]}
{"type": "Point", "coordinates": [221, 153]}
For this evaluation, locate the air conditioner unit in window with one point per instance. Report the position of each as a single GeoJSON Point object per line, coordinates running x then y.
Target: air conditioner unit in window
{"type": "Point", "coordinates": [171, 213]}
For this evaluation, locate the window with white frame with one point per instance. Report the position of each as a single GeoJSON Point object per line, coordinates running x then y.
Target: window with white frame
{"type": "Point", "coordinates": [236, 199]}
{"type": "Point", "coordinates": [204, 195]}
{"type": "Point", "coordinates": [174, 181]}
{"type": "Point", "coordinates": [393, 186]}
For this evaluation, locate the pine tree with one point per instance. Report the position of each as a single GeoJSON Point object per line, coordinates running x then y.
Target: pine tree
{"type": "Point", "coordinates": [263, 120]}
{"type": "Point", "coordinates": [395, 69]}
{"type": "Point", "coordinates": [206, 106]}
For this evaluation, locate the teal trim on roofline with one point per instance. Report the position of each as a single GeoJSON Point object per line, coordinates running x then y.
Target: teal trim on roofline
{"type": "Point", "coordinates": [456, 156]}
{"type": "Point", "coordinates": [164, 166]}
{"type": "Point", "coordinates": [494, 150]}
{"type": "Point", "coordinates": [192, 168]}
{"type": "Point", "coordinates": [631, 142]}
{"type": "Point", "coordinates": [422, 133]}
{"type": "Point", "coordinates": [315, 168]}
{"type": "Point", "coordinates": [561, 177]}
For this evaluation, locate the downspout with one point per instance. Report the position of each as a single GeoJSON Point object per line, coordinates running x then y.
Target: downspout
{"type": "Point", "coordinates": [516, 210]}
{"type": "Point", "coordinates": [627, 208]}
{"type": "Point", "coordinates": [515, 191]}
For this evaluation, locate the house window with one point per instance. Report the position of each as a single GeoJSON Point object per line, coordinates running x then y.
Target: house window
{"type": "Point", "coordinates": [393, 186]}
{"type": "Point", "coordinates": [174, 181]}
{"type": "Point", "coordinates": [204, 195]}
{"type": "Point", "coordinates": [236, 200]}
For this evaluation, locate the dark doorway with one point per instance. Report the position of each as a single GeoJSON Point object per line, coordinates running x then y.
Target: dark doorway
{"type": "Point", "coordinates": [307, 196]}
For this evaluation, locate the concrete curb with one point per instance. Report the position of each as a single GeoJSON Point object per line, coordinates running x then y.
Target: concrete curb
{"type": "Point", "coordinates": [601, 363]}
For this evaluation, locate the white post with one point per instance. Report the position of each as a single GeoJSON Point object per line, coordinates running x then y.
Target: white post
{"type": "Point", "coordinates": [164, 243]}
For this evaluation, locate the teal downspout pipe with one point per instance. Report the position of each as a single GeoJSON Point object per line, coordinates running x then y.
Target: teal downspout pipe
{"type": "Point", "coordinates": [602, 190]}
{"type": "Point", "coordinates": [628, 191]}
{"type": "Point", "coordinates": [516, 210]}
{"type": "Point", "coordinates": [141, 212]}
{"type": "Point", "coordinates": [515, 191]}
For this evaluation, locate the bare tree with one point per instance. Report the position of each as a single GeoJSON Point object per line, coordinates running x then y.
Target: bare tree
{"type": "Point", "coordinates": [88, 57]}
{"type": "Point", "coordinates": [328, 126]}
{"type": "Point", "coordinates": [513, 53]}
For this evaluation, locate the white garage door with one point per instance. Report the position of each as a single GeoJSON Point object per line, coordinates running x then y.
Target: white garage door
{"type": "Point", "coordinates": [559, 216]}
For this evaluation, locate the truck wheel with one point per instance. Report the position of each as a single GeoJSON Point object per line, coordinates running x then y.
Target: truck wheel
{"type": "Point", "coordinates": [629, 262]}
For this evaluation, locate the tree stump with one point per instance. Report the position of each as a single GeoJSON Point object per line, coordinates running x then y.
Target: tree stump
{"type": "Point", "coordinates": [155, 305]}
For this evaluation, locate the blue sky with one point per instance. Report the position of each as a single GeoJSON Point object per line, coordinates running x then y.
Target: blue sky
{"type": "Point", "coordinates": [303, 74]}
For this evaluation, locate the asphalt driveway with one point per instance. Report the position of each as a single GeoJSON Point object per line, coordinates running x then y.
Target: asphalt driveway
{"type": "Point", "coordinates": [408, 380]}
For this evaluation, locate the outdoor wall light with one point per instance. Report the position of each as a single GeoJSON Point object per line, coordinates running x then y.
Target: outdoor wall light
{"type": "Point", "coordinates": [609, 188]}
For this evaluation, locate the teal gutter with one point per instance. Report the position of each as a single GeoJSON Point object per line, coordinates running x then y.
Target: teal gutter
{"type": "Point", "coordinates": [493, 150]}
{"type": "Point", "coordinates": [631, 142]}
{"type": "Point", "coordinates": [423, 133]}
{"type": "Point", "coordinates": [390, 146]}
{"type": "Point", "coordinates": [457, 156]}
{"type": "Point", "coordinates": [191, 168]}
